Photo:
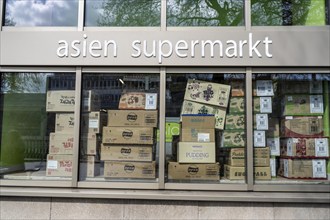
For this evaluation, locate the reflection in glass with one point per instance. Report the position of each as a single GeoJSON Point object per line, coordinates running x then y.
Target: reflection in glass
{"type": "Point", "coordinates": [122, 13]}
{"type": "Point", "coordinates": [41, 13]}
{"type": "Point", "coordinates": [205, 13]}
{"type": "Point", "coordinates": [27, 124]}
{"type": "Point", "coordinates": [205, 128]}
{"type": "Point", "coordinates": [289, 12]}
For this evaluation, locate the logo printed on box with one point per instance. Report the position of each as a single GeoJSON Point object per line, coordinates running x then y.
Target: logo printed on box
{"type": "Point", "coordinates": [193, 170]}
{"type": "Point", "coordinates": [129, 168]}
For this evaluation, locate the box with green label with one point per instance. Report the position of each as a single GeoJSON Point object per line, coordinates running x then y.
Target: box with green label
{"type": "Point", "coordinates": [233, 138]}
{"type": "Point", "coordinates": [236, 105]}
{"type": "Point", "coordinates": [235, 121]}
{"type": "Point", "coordinates": [302, 105]}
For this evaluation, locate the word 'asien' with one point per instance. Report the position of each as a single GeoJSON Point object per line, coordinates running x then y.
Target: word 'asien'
{"type": "Point", "coordinates": [160, 49]}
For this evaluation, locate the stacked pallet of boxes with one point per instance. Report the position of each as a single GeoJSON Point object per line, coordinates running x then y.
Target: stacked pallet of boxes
{"type": "Point", "coordinates": [62, 103]}
{"type": "Point", "coordinates": [128, 139]}
{"type": "Point", "coordinates": [203, 111]}
{"type": "Point", "coordinates": [304, 146]}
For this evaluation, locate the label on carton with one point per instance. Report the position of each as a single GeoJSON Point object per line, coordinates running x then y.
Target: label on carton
{"type": "Point", "coordinates": [151, 101]}
{"type": "Point", "coordinates": [274, 145]}
{"type": "Point", "coordinates": [315, 87]}
{"type": "Point", "coordinates": [93, 123]}
{"type": "Point", "coordinates": [319, 169]}
{"type": "Point", "coordinates": [203, 137]}
{"type": "Point", "coordinates": [259, 138]}
{"type": "Point", "coordinates": [289, 145]}
{"type": "Point", "coordinates": [52, 164]}
{"type": "Point", "coordinates": [321, 147]}
{"type": "Point", "coordinates": [264, 88]}
{"type": "Point", "coordinates": [273, 167]}
{"type": "Point", "coordinates": [262, 121]}
{"type": "Point", "coordinates": [316, 104]}
{"type": "Point", "coordinates": [286, 167]}
{"type": "Point", "coordinates": [265, 104]}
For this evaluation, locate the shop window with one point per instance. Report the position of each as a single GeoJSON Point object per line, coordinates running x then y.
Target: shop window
{"type": "Point", "coordinates": [289, 12]}
{"type": "Point", "coordinates": [205, 128]}
{"type": "Point", "coordinates": [33, 144]}
{"type": "Point", "coordinates": [205, 13]}
{"type": "Point", "coordinates": [119, 129]}
{"type": "Point", "coordinates": [114, 13]}
{"type": "Point", "coordinates": [291, 128]}
{"type": "Point", "coordinates": [32, 13]}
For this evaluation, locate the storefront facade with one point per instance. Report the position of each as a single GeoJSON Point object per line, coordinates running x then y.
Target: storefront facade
{"type": "Point", "coordinates": [233, 108]}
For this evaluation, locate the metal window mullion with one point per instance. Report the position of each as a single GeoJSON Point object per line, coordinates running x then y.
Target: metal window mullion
{"type": "Point", "coordinates": [249, 130]}
{"type": "Point", "coordinates": [163, 15]}
{"type": "Point", "coordinates": [75, 162]}
{"type": "Point", "coordinates": [1, 12]}
{"type": "Point", "coordinates": [162, 153]}
{"type": "Point", "coordinates": [81, 14]}
{"type": "Point", "coordinates": [247, 14]}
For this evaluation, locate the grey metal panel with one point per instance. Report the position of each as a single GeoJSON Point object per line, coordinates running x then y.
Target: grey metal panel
{"type": "Point", "coordinates": [34, 183]}
{"type": "Point", "coordinates": [81, 13]}
{"type": "Point", "coordinates": [292, 188]}
{"type": "Point", "coordinates": [247, 15]}
{"type": "Point", "coordinates": [205, 186]}
{"type": "Point", "coordinates": [289, 48]}
{"type": "Point", "coordinates": [119, 185]}
{"type": "Point", "coordinates": [162, 109]}
{"type": "Point", "coordinates": [38, 69]}
{"type": "Point", "coordinates": [249, 129]}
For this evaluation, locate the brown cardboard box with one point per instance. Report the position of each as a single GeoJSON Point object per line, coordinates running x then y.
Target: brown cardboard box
{"type": "Point", "coordinates": [177, 171]}
{"type": "Point", "coordinates": [235, 121]}
{"type": "Point", "coordinates": [128, 135]}
{"type": "Point", "coordinates": [60, 143]}
{"type": "Point", "coordinates": [189, 107]}
{"type": "Point", "coordinates": [197, 135]}
{"type": "Point", "coordinates": [303, 168]}
{"type": "Point", "coordinates": [60, 101]}
{"type": "Point", "coordinates": [301, 87]}
{"type": "Point", "coordinates": [305, 126]}
{"type": "Point", "coordinates": [236, 105]}
{"type": "Point", "coordinates": [237, 157]}
{"type": "Point", "coordinates": [196, 152]}
{"type": "Point", "coordinates": [302, 105]}
{"type": "Point", "coordinates": [93, 122]}
{"type": "Point", "coordinates": [261, 157]}
{"type": "Point", "coordinates": [262, 105]}
{"type": "Point", "coordinates": [138, 100]}
{"type": "Point", "coordinates": [64, 123]}
{"type": "Point", "coordinates": [89, 142]}
{"type": "Point", "coordinates": [127, 153]}
{"type": "Point", "coordinates": [233, 138]}
{"type": "Point", "coordinates": [237, 88]}
{"type": "Point", "coordinates": [130, 169]}
{"type": "Point", "coordinates": [93, 167]}
{"type": "Point", "coordinates": [59, 165]}
{"type": "Point", "coordinates": [238, 173]}
{"type": "Point", "coordinates": [207, 93]}
{"type": "Point", "coordinates": [317, 147]}
{"type": "Point", "coordinates": [132, 118]}
{"type": "Point", "coordinates": [198, 121]}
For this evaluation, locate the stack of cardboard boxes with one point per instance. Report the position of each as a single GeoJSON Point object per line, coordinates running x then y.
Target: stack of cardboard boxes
{"type": "Point", "coordinates": [128, 139]}
{"type": "Point", "coordinates": [62, 103]}
{"type": "Point", "coordinates": [203, 111]}
{"type": "Point", "coordinates": [304, 148]}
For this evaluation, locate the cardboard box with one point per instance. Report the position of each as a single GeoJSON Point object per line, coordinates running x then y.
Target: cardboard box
{"type": "Point", "coordinates": [238, 173]}
{"type": "Point", "coordinates": [259, 138]}
{"type": "Point", "coordinates": [305, 126]}
{"type": "Point", "coordinates": [274, 145]}
{"type": "Point", "coordinates": [93, 167]}
{"type": "Point", "coordinates": [90, 144]}
{"type": "Point", "coordinates": [59, 165]}
{"type": "Point", "coordinates": [198, 121]}
{"type": "Point", "coordinates": [130, 169]}
{"type": "Point", "coordinates": [273, 127]}
{"type": "Point", "coordinates": [302, 105]}
{"type": "Point", "coordinates": [127, 153]}
{"type": "Point", "coordinates": [263, 88]}
{"type": "Point", "coordinates": [138, 100]}
{"type": "Point", "coordinates": [132, 118]}
{"type": "Point", "coordinates": [93, 122]}
{"type": "Point", "coordinates": [237, 88]}
{"type": "Point", "coordinates": [128, 135]}
{"type": "Point", "coordinates": [219, 113]}
{"type": "Point", "coordinates": [236, 105]}
{"type": "Point", "coordinates": [262, 105]}
{"type": "Point", "coordinates": [64, 101]}
{"type": "Point", "coordinates": [233, 138]}
{"type": "Point", "coordinates": [261, 157]}
{"type": "Point", "coordinates": [303, 168]}
{"type": "Point", "coordinates": [197, 135]}
{"type": "Point", "coordinates": [235, 121]}
{"type": "Point", "coordinates": [64, 123]}
{"type": "Point", "coordinates": [177, 171]}
{"type": "Point", "coordinates": [60, 143]}
{"type": "Point", "coordinates": [207, 93]}
{"type": "Point", "coordinates": [196, 152]}
{"type": "Point", "coordinates": [300, 147]}
{"type": "Point", "coordinates": [301, 87]}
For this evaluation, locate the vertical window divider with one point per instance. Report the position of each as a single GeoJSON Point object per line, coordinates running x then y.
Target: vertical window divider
{"type": "Point", "coordinates": [249, 130]}
{"type": "Point", "coordinates": [2, 3]}
{"type": "Point", "coordinates": [247, 15]}
{"type": "Point", "coordinates": [81, 15]}
{"type": "Point", "coordinates": [76, 139]}
{"type": "Point", "coordinates": [162, 97]}
{"type": "Point", "coordinates": [163, 15]}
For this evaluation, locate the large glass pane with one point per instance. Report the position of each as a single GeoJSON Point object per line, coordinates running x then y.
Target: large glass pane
{"type": "Point", "coordinates": [205, 128]}
{"type": "Point", "coordinates": [289, 12]}
{"type": "Point", "coordinates": [122, 13]}
{"type": "Point", "coordinates": [119, 131]}
{"type": "Point", "coordinates": [205, 12]}
{"type": "Point", "coordinates": [291, 128]}
{"type": "Point", "coordinates": [41, 13]}
{"type": "Point", "coordinates": [33, 145]}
